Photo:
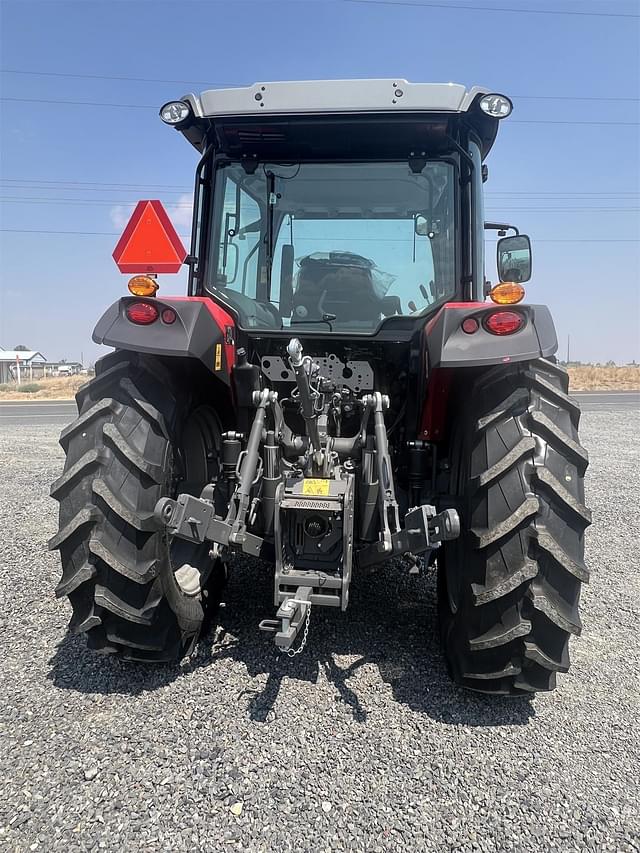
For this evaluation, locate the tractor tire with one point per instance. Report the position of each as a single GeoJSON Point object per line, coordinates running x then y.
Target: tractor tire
{"type": "Point", "coordinates": [509, 587]}
{"type": "Point", "coordinates": [138, 438]}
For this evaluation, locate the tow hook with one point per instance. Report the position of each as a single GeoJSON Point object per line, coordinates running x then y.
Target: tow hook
{"type": "Point", "coordinates": [292, 616]}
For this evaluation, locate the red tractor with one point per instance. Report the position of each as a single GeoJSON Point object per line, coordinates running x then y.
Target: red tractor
{"type": "Point", "coordinates": [341, 386]}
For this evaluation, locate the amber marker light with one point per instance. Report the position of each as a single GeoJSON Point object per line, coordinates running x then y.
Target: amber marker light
{"type": "Point", "coordinates": [142, 285]}
{"type": "Point", "coordinates": [507, 293]}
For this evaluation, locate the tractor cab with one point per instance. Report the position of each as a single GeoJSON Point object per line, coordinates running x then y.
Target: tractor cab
{"type": "Point", "coordinates": [338, 206]}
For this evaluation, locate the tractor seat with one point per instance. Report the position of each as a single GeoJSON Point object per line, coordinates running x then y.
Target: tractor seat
{"type": "Point", "coordinates": [330, 288]}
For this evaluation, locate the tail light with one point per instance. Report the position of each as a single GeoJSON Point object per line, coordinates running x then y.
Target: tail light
{"type": "Point", "coordinates": [470, 325]}
{"type": "Point", "coordinates": [142, 313]}
{"type": "Point", "coordinates": [503, 322]}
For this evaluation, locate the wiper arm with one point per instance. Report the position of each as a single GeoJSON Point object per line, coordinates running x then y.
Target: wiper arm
{"type": "Point", "coordinates": [271, 203]}
{"type": "Point", "coordinates": [326, 318]}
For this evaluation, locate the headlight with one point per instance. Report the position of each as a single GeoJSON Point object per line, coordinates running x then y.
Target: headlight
{"type": "Point", "coordinates": [175, 112]}
{"type": "Point", "coordinates": [498, 106]}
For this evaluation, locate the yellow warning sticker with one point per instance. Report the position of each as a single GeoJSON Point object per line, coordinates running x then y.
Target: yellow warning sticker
{"type": "Point", "coordinates": [218, 357]}
{"type": "Point", "coordinates": [315, 488]}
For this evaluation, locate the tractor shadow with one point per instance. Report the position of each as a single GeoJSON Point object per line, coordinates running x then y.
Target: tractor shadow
{"type": "Point", "coordinates": [391, 624]}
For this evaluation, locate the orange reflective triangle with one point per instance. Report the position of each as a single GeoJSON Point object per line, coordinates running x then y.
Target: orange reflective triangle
{"type": "Point", "coordinates": [149, 243]}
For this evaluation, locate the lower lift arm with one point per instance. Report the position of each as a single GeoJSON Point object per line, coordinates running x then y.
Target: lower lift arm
{"type": "Point", "coordinates": [194, 519]}
{"type": "Point", "coordinates": [424, 529]}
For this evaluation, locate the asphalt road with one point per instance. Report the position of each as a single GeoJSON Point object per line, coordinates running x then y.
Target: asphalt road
{"type": "Point", "coordinates": [361, 743]}
{"type": "Point", "coordinates": [61, 413]}
{"type": "Point", "coordinates": [608, 401]}
{"type": "Point", "coordinates": [37, 412]}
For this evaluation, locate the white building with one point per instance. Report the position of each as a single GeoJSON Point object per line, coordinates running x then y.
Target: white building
{"type": "Point", "coordinates": [27, 359]}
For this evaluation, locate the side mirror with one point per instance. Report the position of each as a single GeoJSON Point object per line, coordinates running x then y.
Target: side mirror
{"type": "Point", "coordinates": [514, 258]}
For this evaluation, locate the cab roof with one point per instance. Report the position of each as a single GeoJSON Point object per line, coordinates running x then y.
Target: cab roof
{"type": "Point", "coordinates": [237, 116]}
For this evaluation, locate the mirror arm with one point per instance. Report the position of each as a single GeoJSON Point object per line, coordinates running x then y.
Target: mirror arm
{"type": "Point", "coordinates": [501, 227]}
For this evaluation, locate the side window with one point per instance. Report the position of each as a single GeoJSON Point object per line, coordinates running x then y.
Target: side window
{"type": "Point", "coordinates": [239, 249]}
{"type": "Point", "coordinates": [195, 272]}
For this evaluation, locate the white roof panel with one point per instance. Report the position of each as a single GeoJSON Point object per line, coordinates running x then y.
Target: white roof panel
{"type": "Point", "coordinates": [335, 96]}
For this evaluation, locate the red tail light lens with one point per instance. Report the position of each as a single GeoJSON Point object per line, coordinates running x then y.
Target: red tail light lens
{"type": "Point", "coordinates": [142, 313]}
{"type": "Point", "coordinates": [504, 322]}
{"type": "Point", "coordinates": [470, 325]}
{"type": "Point", "coordinates": [168, 316]}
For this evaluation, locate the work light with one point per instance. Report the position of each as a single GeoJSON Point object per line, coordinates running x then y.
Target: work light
{"type": "Point", "coordinates": [498, 106]}
{"type": "Point", "coordinates": [175, 112]}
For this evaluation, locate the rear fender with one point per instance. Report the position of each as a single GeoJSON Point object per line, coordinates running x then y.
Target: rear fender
{"type": "Point", "coordinates": [202, 330]}
{"type": "Point", "coordinates": [449, 346]}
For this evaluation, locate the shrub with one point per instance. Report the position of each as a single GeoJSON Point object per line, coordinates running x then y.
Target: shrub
{"type": "Point", "coordinates": [29, 388]}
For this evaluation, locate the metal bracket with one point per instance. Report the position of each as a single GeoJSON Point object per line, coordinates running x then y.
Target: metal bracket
{"type": "Point", "coordinates": [424, 531]}
{"type": "Point", "coordinates": [194, 519]}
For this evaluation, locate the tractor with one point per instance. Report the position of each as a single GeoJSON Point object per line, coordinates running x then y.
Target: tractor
{"type": "Point", "coordinates": [340, 387]}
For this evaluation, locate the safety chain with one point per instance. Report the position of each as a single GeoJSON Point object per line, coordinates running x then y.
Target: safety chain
{"type": "Point", "coordinates": [293, 652]}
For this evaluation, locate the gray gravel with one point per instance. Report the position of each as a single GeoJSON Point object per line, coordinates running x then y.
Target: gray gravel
{"type": "Point", "coordinates": [361, 743]}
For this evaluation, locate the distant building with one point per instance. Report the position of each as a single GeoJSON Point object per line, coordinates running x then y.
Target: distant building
{"type": "Point", "coordinates": [63, 368]}
{"type": "Point", "coordinates": [32, 364]}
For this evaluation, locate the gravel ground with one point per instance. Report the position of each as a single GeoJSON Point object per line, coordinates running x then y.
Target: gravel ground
{"type": "Point", "coordinates": [361, 743]}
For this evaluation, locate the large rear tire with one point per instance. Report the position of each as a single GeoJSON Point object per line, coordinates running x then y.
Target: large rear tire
{"type": "Point", "coordinates": [139, 437]}
{"type": "Point", "coordinates": [509, 587]}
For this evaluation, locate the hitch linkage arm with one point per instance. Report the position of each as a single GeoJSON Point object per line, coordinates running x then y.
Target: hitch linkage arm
{"type": "Point", "coordinates": [248, 470]}
{"type": "Point", "coordinates": [194, 519]}
{"type": "Point", "coordinates": [388, 505]}
{"type": "Point", "coordinates": [424, 530]}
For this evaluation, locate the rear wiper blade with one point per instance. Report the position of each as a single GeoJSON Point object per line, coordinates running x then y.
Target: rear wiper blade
{"type": "Point", "coordinates": [271, 203]}
{"type": "Point", "coordinates": [326, 318]}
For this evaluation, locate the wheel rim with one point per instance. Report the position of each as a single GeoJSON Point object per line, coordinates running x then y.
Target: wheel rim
{"type": "Point", "coordinates": [199, 451]}
{"type": "Point", "coordinates": [198, 463]}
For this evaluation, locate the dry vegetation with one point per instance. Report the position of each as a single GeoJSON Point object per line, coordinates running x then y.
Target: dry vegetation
{"type": "Point", "coordinates": [51, 388]}
{"type": "Point", "coordinates": [588, 377]}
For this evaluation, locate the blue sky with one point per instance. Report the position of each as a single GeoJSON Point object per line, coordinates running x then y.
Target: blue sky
{"type": "Point", "coordinates": [568, 180]}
